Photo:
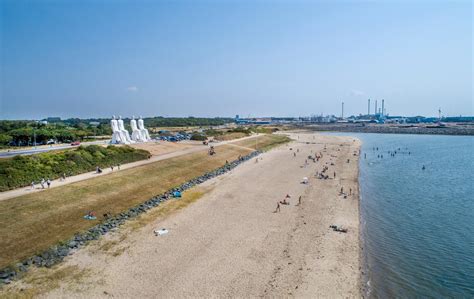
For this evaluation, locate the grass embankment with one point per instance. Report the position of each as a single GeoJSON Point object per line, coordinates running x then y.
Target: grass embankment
{"type": "Point", "coordinates": [263, 142]}
{"type": "Point", "coordinates": [20, 171]}
{"type": "Point", "coordinates": [32, 223]}
{"type": "Point", "coordinates": [238, 132]}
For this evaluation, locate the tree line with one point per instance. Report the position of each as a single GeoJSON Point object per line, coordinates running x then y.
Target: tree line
{"type": "Point", "coordinates": [23, 132]}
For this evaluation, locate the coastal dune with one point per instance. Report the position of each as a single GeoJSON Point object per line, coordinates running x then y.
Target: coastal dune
{"type": "Point", "coordinates": [231, 242]}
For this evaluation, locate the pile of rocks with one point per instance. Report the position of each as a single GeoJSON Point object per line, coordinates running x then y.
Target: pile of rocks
{"type": "Point", "coordinates": [57, 253]}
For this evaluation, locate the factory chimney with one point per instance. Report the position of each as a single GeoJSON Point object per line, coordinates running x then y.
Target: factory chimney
{"type": "Point", "coordinates": [376, 107]}
{"type": "Point", "coordinates": [342, 114]}
{"type": "Point", "coordinates": [383, 111]}
{"type": "Point", "coordinates": [368, 107]}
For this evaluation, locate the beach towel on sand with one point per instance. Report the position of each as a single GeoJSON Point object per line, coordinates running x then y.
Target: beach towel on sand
{"type": "Point", "coordinates": [161, 232]}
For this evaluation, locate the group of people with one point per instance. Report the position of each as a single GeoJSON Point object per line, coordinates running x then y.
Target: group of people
{"type": "Point", "coordinates": [47, 182]}
{"type": "Point", "coordinates": [99, 170]}
{"type": "Point", "coordinates": [43, 182]}
{"type": "Point", "coordinates": [286, 202]}
{"type": "Point", "coordinates": [322, 175]}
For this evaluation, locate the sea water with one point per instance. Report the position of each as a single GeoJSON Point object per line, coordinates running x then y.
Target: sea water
{"type": "Point", "coordinates": [417, 215]}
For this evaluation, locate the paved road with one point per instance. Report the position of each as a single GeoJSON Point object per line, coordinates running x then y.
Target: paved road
{"type": "Point", "coordinates": [89, 175]}
{"type": "Point", "coordinates": [42, 149]}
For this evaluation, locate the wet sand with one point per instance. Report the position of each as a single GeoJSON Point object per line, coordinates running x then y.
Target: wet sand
{"type": "Point", "coordinates": [231, 243]}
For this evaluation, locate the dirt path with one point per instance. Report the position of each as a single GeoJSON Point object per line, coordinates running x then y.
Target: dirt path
{"type": "Point", "coordinates": [231, 243]}
{"type": "Point", "coordinates": [163, 155]}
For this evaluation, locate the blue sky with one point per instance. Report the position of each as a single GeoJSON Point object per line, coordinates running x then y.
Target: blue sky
{"type": "Point", "coordinates": [221, 58]}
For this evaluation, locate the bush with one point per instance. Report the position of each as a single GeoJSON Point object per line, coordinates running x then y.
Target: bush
{"type": "Point", "coordinates": [20, 171]}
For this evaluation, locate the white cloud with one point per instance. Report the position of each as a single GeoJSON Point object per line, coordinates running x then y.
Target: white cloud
{"type": "Point", "coordinates": [356, 92]}
{"type": "Point", "coordinates": [132, 88]}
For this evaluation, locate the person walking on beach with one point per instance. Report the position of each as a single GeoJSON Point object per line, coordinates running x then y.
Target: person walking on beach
{"type": "Point", "coordinates": [334, 174]}
{"type": "Point", "coordinates": [277, 208]}
{"type": "Point", "coordinates": [48, 182]}
{"type": "Point", "coordinates": [112, 167]}
{"type": "Point", "coordinates": [33, 185]}
{"type": "Point", "coordinates": [299, 201]}
{"type": "Point", "coordinates": [342, 190]}
{"type": "Point", "coordinates": [294, 154]}
{"type": "Point", "coordinates": [350, 191]}
{"type": "Point", "coordinates": [42, 183]}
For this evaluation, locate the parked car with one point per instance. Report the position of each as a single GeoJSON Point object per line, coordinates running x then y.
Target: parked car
{"type": "Point", "coordinates": [74, 143]}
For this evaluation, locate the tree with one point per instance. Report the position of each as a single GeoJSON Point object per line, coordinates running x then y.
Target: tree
{"type": "Point", "coordinates": [5, 139]}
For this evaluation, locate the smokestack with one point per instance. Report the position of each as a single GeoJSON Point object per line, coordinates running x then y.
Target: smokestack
{"type": "Point", "coordinates": [383, 111]}
{"type": "Point", "coordinates": [368, 107]}
{"type": "Point", "coordinates": [342, 114]}
{"type": "Point", "coordinates": [376, 107]}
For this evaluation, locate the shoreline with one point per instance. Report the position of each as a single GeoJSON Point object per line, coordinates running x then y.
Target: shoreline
{"type": "Point", "coordinates": [364, 267]}
{"type": "Point", "coordinates": [233, 226]}
{"type": "Point", "coordinates": [468, 130]}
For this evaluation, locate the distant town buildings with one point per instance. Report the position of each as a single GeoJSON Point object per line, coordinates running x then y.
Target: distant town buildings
{"type": "Point", "coordinates": [375, 115]}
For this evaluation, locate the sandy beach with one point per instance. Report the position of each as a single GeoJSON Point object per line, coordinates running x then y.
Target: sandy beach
{"type": "Point", "coordinates": [230, 243]}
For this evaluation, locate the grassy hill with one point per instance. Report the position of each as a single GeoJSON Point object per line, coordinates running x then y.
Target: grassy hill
{"type": "Point", "coordinates": [20, 171]}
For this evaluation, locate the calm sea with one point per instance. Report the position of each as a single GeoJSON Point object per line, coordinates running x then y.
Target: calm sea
{"type": "Point", "coordinates": [417, 225]}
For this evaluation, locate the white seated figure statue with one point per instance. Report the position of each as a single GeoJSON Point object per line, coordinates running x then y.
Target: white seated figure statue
{"type": "Point", "coordinates": [141, 127]}
{"type": "Point", "coordinates": [136, 133]}
{"type": "Point", "coordinates": [124, 132]}
{"type": "Point", "coordinates": [117, 135]}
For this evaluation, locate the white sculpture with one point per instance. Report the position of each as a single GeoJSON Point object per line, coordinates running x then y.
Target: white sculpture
{"type": "Point", "coordinates": [136, 133]}
{"type": "Point", "coordinates": [117, 134]}
{"type": "Point", "coordinates": [125, 133]}
{"type": "Point", "coordinates": [144, 132]}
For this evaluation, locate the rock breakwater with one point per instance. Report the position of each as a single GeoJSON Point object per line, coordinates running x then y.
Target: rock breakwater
{"type": "Point", "coordinates": [58, 252]}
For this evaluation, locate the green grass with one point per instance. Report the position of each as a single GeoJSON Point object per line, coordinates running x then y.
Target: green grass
{"type": "Point", "coordinates": [22, 170]}
{"type": "Point", "coordinates": [263, 142]}
{"type": "Point", "coordinates": [32, 223]}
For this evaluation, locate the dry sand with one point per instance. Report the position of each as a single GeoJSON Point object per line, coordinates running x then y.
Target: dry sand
{"type": "Point", "coordinates": [230, 243]}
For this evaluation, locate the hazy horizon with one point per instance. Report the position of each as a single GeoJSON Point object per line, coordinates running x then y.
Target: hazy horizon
{"type": "Point", "coordinates": [216, 59]}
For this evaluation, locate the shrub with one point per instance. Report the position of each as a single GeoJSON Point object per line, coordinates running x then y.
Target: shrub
{"type": "Point", "coordinates": [20, 171]}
